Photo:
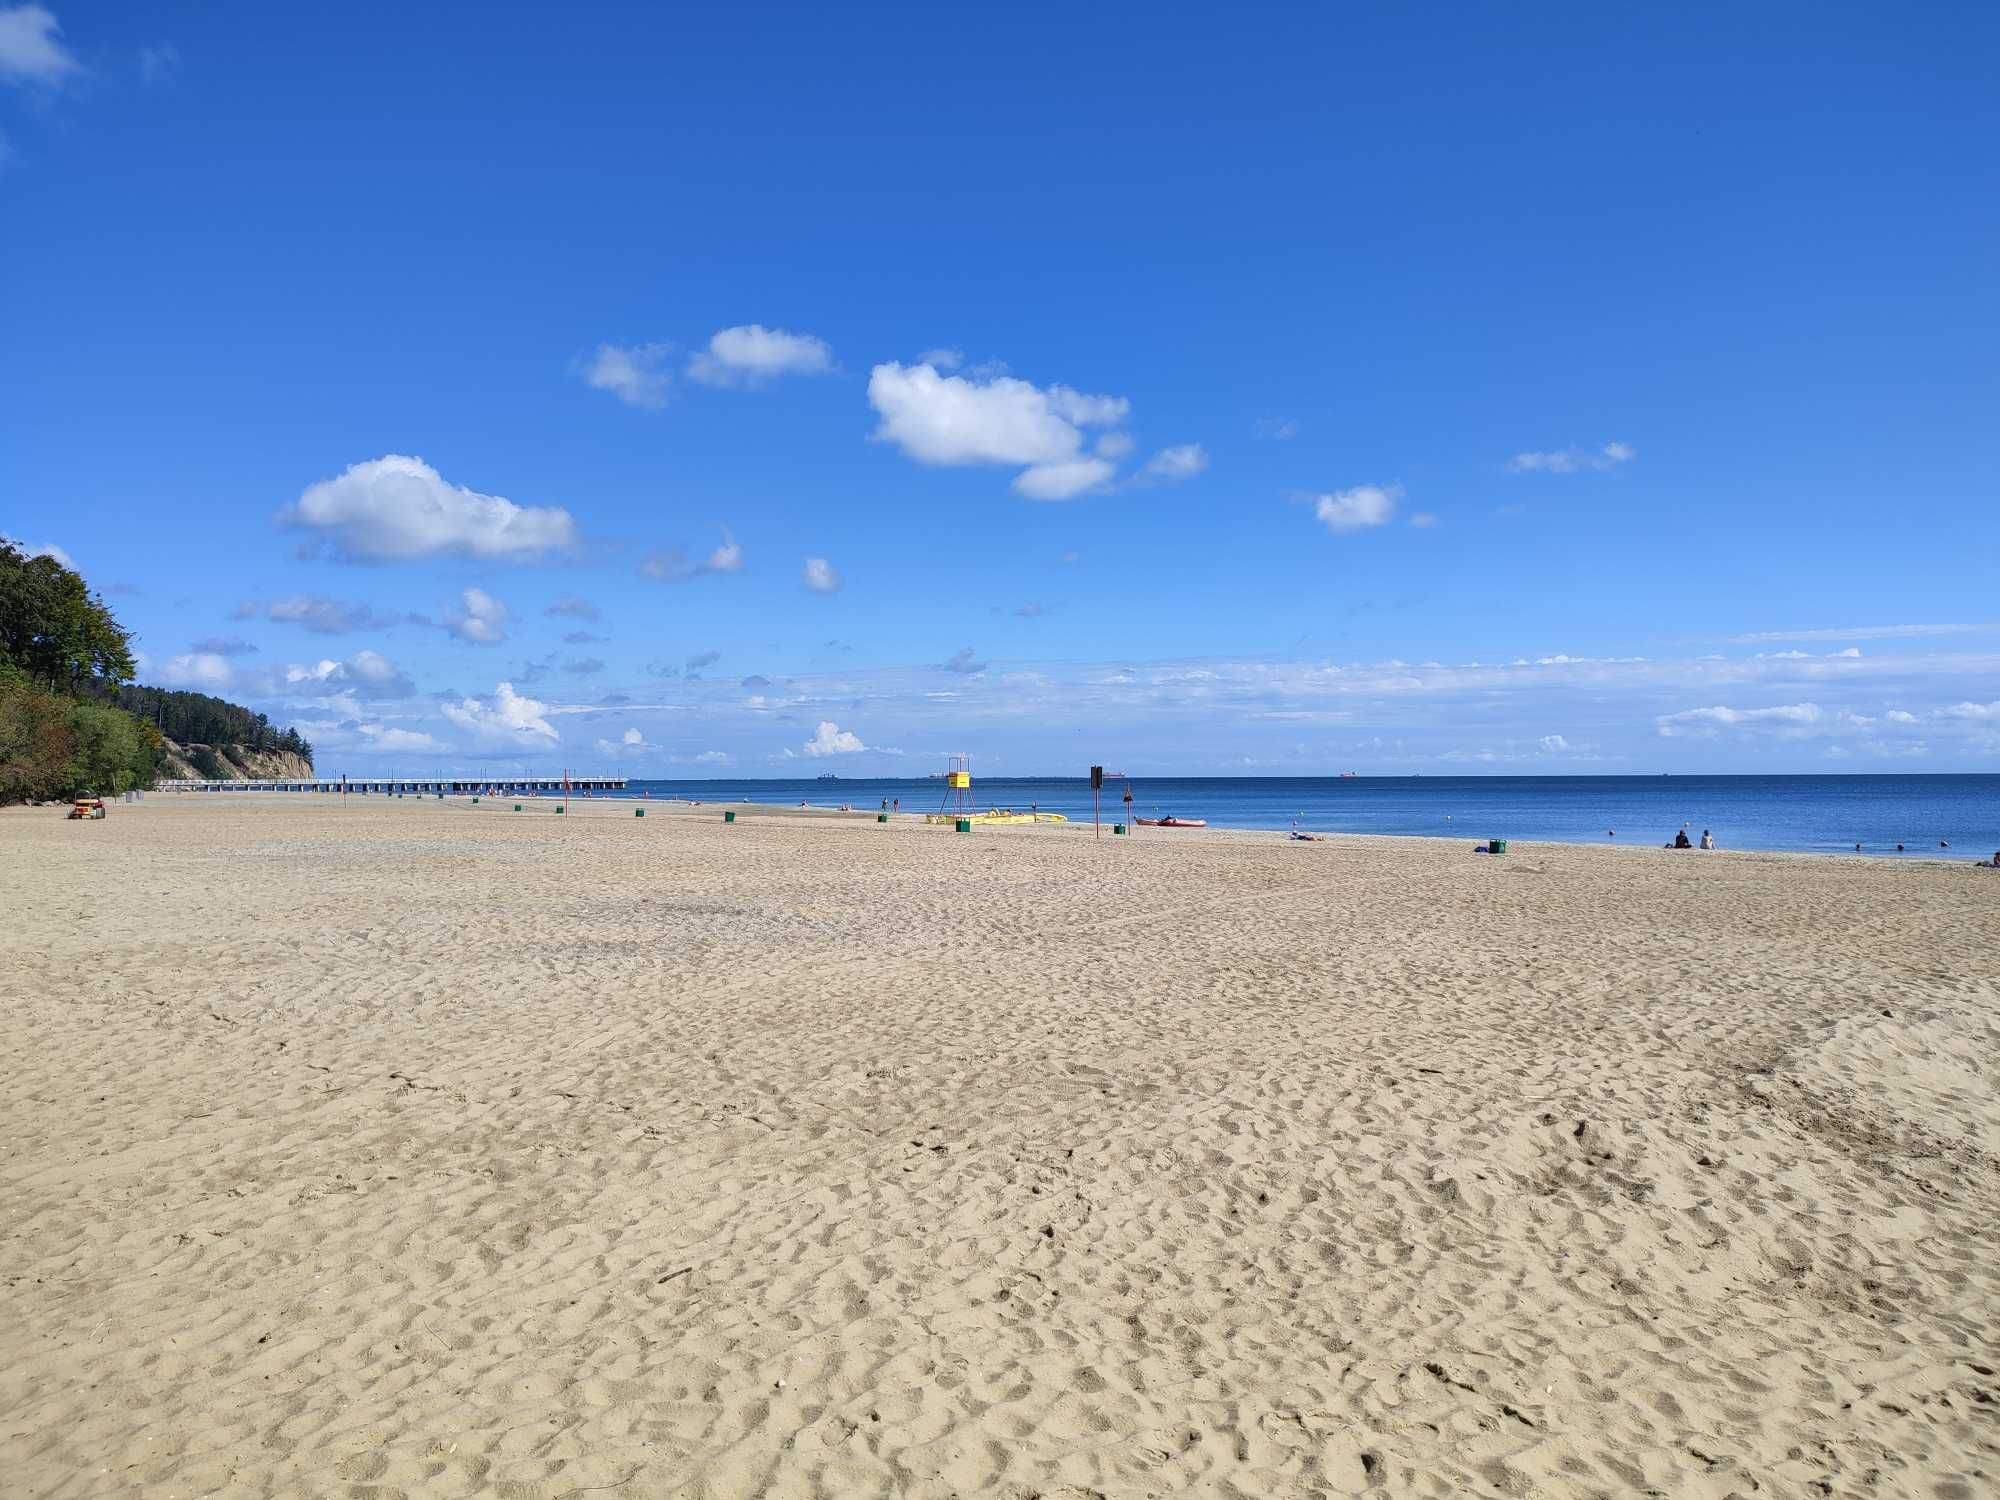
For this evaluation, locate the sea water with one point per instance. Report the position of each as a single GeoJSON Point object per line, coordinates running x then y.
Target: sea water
{"type": "Point", "coordinates": [1820, 814]}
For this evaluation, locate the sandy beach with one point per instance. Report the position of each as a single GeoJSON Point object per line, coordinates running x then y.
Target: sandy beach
{"type": "Point", "coordinates": [411, 1148]}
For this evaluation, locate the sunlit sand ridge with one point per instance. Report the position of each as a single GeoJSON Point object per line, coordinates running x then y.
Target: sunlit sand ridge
{"type": "Point", "coordinates": [415, 1149]}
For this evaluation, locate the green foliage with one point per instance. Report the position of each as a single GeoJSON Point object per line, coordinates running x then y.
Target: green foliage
{"type": "Point", "coordinates": [110, 752]}
{"type": "Point", "coordinates": [36, 742]}
{"type": "Point", "coordinates": [53, 628]}
{"type": "Point", "coordinates": [197, 719]}
{"type": "Point", "coordinates": [209, 763]}
{"type": "Point", "coordinates": [70, 720]}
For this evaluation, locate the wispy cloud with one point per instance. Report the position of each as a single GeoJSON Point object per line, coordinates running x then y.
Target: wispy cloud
{"type": "Point", "coordinates": [1573, 460]}
{"type": "Point", "coordinates": [1357, 509]}
{"type": "Point", "coordinates": [1860, 633]}
{"type": "Point", "coordinates": [635, 373]}
{"type": "Point", "coordinates": [319, 614]}
{"type": "Point", "coordinates": [1183, 461]}
{"type": "Point", "coordinates": [820, 576]}
{"type": "Point", "coordinates": [31, 49]}
{"type": "Point", "coordinates": [963, 662]}
{"type": "Point", "coordinates": [752, 354]}
{"type": "Point", "coordinates": [572, 607]}
{"type": "Point", "coordinates": [671, 565]}
{"type": "Point", "coordinates": [159, 62]}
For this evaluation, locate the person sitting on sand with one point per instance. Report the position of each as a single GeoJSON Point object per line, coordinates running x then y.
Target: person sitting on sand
{"type": "Point", "coordinates": [1707, 839]}
{"type": "Point", "coordinates": [1681, 840]}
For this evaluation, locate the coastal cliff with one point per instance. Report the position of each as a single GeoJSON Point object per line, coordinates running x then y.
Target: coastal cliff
{"type": "Point", "coordinates": [229, 763]}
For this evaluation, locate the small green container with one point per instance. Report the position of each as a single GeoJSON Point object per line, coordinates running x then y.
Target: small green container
{"type": "Point", "coordinates": [475, 802]}
{"type": "Point", "coordinates": [1496, 846]}
{"type": "Point", "coordinates": [963, 825]}
{"type": "Point", "coordinates": [1117, 827]}
{"type": "Point", "coordinates": [638, 812]}
{"type": "Point", "coordinates": [729, 817]}
{"type": "Point", "coordinates": [881, 817]}
{"type": "Point", "coordinates": [517, 807]}
{"type": "Point", "coordinates": [559, 812]}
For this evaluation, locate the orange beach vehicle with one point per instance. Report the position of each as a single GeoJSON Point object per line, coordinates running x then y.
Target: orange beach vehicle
{"type": "Point", "coordinates": [87, 807]}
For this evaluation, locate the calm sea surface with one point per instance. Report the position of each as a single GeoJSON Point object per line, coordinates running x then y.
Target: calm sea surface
{"type": "Point", "coordinates": [1826, 814]}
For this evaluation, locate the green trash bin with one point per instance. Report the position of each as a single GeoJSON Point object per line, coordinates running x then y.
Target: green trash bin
{"type": "Point", "coordinates": [729, 817]}
{"type": "Point", "coordinates": [964, 825]}
{"type": "Point", "coordinates": [559, 809]}
{"type": "Point", "coordinates": [881, 817]}
{"type": "Point", "coordinates": [1496, 846]}
{"type": "Point", "coordinates": [638, 812]}
{"type": "Point", "coordinates": [517, 807]}
{"type": "Point", "coordinates": [1117, 827]}
{"type": "Point", "coordinates": [475, 802]}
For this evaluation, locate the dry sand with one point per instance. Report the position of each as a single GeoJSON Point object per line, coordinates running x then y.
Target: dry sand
{"type": "Point", "coordinates": [410, 1148]}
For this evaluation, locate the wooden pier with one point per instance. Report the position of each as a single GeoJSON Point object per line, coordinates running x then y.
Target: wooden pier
{"type": "Point", "coordinates": [363, 786]}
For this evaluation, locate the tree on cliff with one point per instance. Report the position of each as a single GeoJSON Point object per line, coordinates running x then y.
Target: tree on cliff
{"type": "Point", "coordinates": [54, 629]}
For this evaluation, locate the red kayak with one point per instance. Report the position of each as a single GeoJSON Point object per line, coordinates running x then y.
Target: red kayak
{"type": "Point", "coordinates": [1171, 822]}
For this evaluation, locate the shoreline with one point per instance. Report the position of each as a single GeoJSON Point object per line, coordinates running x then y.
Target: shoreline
{"type": "Point", "coordinates": [578, 803]}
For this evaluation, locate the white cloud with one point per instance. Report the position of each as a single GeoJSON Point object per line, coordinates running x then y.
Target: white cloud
{"type": "Point", "coordinates": [1900, 716]}
{"type": "Point", "coordinates": [1554, 744]}
{"type": "Point", "coordinates": [705, 758]}
{"type": "Point", "coordinates": [1573, 460]}
{"type": "Point", "coordinates": [963, 662]}
{"type": "Point", "coordinates": [321, 615]}
{"type": "Point", "coordinates": [1357, 509]}
{"type": "Point", "coordinates": [674, 566]}
{"type": "Point", "coordinates": [40, 549]}
{"type": "Point", "coordinates": [394, 508]}
{"type": "Point", "coordinates": [1063, 481]}
{"type": "Point", "coordinates": [631, 742]}
{"type": "Point", "coordinates": [367, 674]}
{"type": "Point", "coordinates": [1183, 461]}
{"type": "Point", "coordinates": [954, 420]}
{"type": "Point", "coordinates": [942, 359]}
{"type": "Point", "coordinates": [1705, 721]}
{"type": "Point", "coordinates": [382, 737]}
{"type": "Point", "coordinates": [1860, 633]}
{"type": "Point", "coordinates": [634, 373]}
{"type": "Point", "coordinates": [572, 607]}
{"type": "Point", "coordinates": [1423, 519]}
{"type": "Point", "coordinates": [478, 618]}
{"type": "Point", "coordinates": [202, 671]}
{"type": "Point", "coordinates": [507, 718]}
{"type": "Point", "coordinates": [29, 49]}
{"type": "Point", "coordinates": [831, 739]}
{"type": "Point", "coordinates": [820, 576]}
{"type": "Point", "coordinates": [751, 354]}
{"type": "Point", "coordinates": [1980, 711]}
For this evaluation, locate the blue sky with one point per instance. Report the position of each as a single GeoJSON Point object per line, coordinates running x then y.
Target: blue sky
{"type": "Point", "coordinates": [1288, 390]}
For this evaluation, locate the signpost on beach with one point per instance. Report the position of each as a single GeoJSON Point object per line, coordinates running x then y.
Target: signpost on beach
{"type": "Point", "coordinates": [1097, 801]}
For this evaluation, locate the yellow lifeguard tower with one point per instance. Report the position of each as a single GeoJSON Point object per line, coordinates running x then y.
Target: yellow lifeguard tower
{"type": "Point", "coordinates": [957, 791]}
